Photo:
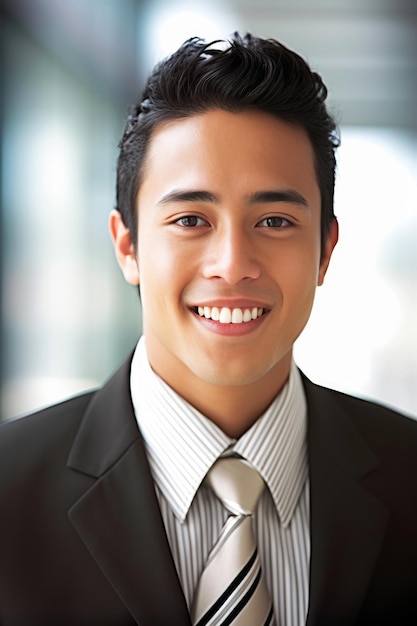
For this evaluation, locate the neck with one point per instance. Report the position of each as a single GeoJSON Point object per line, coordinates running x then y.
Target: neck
{"type": "Point", "coordinates": [233, 408]}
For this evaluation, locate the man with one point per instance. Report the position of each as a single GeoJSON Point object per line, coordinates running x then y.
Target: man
{"type": "Point", "coordinates": [225, 220]}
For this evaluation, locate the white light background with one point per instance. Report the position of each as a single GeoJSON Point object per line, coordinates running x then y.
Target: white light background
{"type": "Point", "coordinates": [61, 311]}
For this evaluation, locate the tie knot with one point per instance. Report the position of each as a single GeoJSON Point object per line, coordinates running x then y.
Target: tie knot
{"type": "Point", "coordinates": [237, 484]}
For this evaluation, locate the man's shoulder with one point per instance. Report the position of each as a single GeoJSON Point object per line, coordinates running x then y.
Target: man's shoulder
{"type": "Point", "coordinates": [69, 412]}
{"type": "Point", "coordinates": [43, 427]}
{"type": "Point", "coordinates": [47, 435]}
{"type": "Point", "coordinates": [372, 409]}
{"type": "Point", "coordinates": [48, 415]}
{"type": "Point", "coordinates": [376, 421]}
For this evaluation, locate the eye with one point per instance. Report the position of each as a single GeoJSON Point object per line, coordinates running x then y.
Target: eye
{"type": "Point", "coordinates": [190, 221]}
{"type": "Point", "coordinates": [274, 221]}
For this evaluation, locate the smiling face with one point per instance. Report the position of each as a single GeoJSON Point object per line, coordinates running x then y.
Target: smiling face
{"type": "Point", "coordinates": [229, 251]}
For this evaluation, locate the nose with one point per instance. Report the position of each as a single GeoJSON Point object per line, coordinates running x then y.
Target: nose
{"type": "Point", "coordinates": [231, 257]}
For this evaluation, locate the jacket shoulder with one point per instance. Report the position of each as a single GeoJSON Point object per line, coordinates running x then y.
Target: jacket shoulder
{"type": "Point", "coordinates": [382, 427]}
{"type": "Point", "coordinates": [25, 440]}
{"type": "Point", "coordinates": [365, 409]}
{"type": "Point", "coordinates": [48, 417]}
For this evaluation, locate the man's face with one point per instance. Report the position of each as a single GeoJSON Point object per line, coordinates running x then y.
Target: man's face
{"type": "Point", "coordinates": [228, 247]}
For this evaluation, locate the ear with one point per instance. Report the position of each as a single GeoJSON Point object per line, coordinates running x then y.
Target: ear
{"type": "Point", "coordinates": [123, 247]}
{"type": "Point", "coordinates": [327, 252]}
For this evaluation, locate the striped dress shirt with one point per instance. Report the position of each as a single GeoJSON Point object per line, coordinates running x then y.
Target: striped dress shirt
{"type": "Point", "coordinates": [182, 445]}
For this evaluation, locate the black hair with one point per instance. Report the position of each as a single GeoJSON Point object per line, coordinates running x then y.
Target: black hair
{"type": "Point", "coordinates": [243, 73]}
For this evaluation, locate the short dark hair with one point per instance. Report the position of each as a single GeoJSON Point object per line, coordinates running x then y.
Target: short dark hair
{"type": "Point", "coordinates": [243, 73]}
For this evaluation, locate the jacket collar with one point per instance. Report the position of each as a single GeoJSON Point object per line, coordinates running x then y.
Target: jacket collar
{"type": "Point", "coordinates": [348, 523]}
{"type": "Point", "coordinates": [108, 427]}
{"type": "Point", "coordinates": [118, 518]}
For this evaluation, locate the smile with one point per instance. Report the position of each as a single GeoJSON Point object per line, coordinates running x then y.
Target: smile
{"type": "Point", "coordinates": [224, 315]}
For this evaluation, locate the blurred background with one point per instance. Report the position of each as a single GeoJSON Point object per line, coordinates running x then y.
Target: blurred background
{"type": "Point", "coordinates": [70, 69]}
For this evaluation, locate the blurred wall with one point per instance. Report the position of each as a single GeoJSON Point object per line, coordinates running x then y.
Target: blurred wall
{"type": "Point", "coordinates": [69, 71]}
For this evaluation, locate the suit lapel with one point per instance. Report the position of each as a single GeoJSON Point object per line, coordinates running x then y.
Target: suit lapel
{"type": "Point", "coordinates": [118, 518]}
{"type": "Point", "coordinates": [348, 523]}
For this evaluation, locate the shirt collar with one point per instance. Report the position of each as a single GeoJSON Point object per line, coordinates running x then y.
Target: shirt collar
{"type": "Point", "coordinates": [183, 444]}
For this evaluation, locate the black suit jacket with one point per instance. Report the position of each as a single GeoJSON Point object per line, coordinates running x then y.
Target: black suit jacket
{"type": "Point", "coordinates": [82, 540]}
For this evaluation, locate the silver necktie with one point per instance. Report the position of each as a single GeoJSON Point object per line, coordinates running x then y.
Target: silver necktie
{"type": "Point", "coordinates": [231, 589]}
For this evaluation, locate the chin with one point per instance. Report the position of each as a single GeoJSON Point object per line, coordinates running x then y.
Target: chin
{"type": "Point", "coordinates": [231, 376]}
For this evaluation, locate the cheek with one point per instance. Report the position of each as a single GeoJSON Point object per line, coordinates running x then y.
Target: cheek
{"type": "Point", "coordinates": [300, 284]}
{"type": "Point", "coordinates": [163, 269]}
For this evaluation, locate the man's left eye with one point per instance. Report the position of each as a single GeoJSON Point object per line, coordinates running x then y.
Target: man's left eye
{"type": "Point", "coordinates": [274, 221]}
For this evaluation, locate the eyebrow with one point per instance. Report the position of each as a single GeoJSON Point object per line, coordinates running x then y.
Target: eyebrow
{"type": "Point", "coordinates": [179, 195]}
{"type": "Point", "coordinates": [283, 195]}
{"type": "Point", "coordinates": [258, 197]}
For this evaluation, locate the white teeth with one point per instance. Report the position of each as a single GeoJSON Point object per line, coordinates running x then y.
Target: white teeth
{"type": "Point", "coordinates": [237, 316]}
{"type": "Point", "coordinates": [215, 313]}
{"type": "Point", "coordinates": [230, 316]}
{"type": "Point", "coordinates": [247, 315]}
{"type": "Point", "coordinates": [225, 316]}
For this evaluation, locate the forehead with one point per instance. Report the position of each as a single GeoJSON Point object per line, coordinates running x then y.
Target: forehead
{"type": "Point", "coordinates": [229, 152]}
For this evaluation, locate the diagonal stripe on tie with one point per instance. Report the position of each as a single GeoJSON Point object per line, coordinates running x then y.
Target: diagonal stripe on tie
{"type": "Point", "coordinates": [225, 596]}
{"type": "Point", "coordinates": [231, 589]}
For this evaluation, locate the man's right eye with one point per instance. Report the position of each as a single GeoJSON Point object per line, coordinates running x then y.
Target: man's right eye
{"type": "Point", "coordinates": [190, 221]}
